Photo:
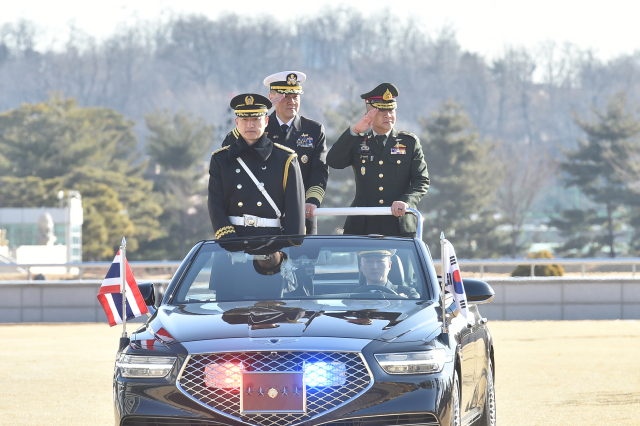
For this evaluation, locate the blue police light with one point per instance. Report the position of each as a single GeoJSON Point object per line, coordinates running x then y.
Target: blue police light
{"type": "Point", "coordinates": [324, 374]}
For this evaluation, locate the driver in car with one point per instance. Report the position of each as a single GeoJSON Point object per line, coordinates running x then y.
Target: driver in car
{"type": "Point", "coordinates": [376, 265]}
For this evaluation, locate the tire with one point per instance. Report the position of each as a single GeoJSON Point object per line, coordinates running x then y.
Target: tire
{"type": "Point", "coordinates": [456, 419]}
{"type": "Point", "coordinates": [489, 410]}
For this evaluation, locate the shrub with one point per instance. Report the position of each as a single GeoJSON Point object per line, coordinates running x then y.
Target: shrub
{"type": "Point", "coordinates": [539, 270]}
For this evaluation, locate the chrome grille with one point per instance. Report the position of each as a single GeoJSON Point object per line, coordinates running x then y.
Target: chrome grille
{"type": "Point", "coordinates": [319, 399]}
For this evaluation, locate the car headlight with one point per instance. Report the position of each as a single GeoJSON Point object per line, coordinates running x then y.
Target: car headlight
{"type": "Point", "coordinates": [425, 362]}
{"type": "Point", "coordinates": [145, 366]}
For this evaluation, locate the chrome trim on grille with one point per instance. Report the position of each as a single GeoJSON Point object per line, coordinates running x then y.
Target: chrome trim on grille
{"type": "Point", "coordinates": [275, 419]}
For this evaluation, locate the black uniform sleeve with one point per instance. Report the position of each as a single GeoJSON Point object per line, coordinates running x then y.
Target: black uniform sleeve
{"type": "Point", "coordinates": [221, 224]}
{"type": "Point", "coordinates": [320, 171]}
{"type": "Point", "coordinates": [231, 137]}
{"type": "Point", "coordinates": [419, 183]}
{"type": "Point", "coordinates": [293, 221]}
{"type": "Point", "coordinates": [340, 156]}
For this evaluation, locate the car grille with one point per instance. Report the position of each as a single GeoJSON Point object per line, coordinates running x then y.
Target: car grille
{"type": "Point", "coordinates": [319, 399]}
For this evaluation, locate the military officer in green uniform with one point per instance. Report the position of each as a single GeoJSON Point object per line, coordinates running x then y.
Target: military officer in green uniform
{"type": "Point", "coordinates": [305, 136]}
{"type": "Point", "coordinates": [255, 185]}
{"type": "Point", "coordinates": [388, 164]}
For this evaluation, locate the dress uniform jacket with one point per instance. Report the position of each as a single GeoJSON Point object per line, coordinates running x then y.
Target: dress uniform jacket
{"type": "Point", "coordinates": [395, 172]}
{"type": "Point", "coordinates": [233, 193]}
{"type": "Point", "coordinates": [307, 138]}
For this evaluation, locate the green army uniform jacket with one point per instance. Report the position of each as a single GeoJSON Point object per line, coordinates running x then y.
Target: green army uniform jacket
{"type": "Point", "coordinates": [395, 172]}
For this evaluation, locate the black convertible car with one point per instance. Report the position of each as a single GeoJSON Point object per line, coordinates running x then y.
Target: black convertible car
{"type": "Point", "coordinates": [315, 330]}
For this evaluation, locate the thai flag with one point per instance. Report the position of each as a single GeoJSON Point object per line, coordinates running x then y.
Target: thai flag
{"type": "Point", "coordinates": [110, 295]}
{"type": "Point", "coordinates": [454, 283]}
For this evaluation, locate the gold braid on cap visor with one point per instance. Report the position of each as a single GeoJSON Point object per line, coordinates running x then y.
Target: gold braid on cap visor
{"type": "Point", "coordinates": [251, 112]}
{"type": "Point", "coordinates": [380, 104]}
{"type": "Point", "coordinates": [287, 89]}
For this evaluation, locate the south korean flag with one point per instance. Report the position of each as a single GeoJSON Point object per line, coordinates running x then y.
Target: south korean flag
{"type": "Point", "coordinates": [454, 283]}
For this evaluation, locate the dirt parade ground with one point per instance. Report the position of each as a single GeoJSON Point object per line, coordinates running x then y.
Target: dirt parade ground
{"type": "Point", "coordinates": [548, 373]}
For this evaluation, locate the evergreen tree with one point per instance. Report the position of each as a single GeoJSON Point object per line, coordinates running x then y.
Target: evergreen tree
{"type": "Point", "coordinates": [178, 145]}
{"type": "Point", "coordinates": [464, 173]}
{"type": "Point", "coordinates": [587, 168]}
{"type": "Point", "coordinates": [57, 145]}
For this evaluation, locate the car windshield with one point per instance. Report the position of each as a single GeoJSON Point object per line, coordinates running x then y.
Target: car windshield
{"type": "Point", "coordinates": [312, 268]}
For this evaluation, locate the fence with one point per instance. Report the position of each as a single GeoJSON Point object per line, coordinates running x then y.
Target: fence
{"type": "Point", "coordinates": [524, 298]}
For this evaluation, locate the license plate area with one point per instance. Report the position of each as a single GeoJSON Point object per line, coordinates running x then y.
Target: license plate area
{"type": "Point", "coordinates": [273, 392]}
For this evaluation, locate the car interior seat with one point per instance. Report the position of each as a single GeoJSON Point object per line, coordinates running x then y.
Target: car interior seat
{"type": "Point", "coordinates": [237, 280]}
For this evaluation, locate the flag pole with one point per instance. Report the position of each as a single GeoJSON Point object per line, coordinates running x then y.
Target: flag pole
{"type": "Point", "coordinates": [124, 340]}
{"type": "Point", "coordinates": [444, 281]}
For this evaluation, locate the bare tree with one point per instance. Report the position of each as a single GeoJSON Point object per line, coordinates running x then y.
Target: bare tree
{"type": "Point", "coordinates": [526, 172]}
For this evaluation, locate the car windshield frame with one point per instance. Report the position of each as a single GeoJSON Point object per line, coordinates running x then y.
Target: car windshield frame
{"type": "Point", "coordinates": [298, 248]}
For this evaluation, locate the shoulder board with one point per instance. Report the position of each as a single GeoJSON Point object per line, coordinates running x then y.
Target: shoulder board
{"type": "Point", "coordinates": [289, 150]}
{"type": "Point", "coordinates": [411, 135]}
{"type": "Point", "coordinates": [221, 149]}
{"type": "Point", "coordinates": [236, 133]}
{"type": "Point", "coordinates": [403, 133]}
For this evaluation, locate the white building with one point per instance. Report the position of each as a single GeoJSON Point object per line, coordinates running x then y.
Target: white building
{"type": "Point", "coordinates": [57, 242]}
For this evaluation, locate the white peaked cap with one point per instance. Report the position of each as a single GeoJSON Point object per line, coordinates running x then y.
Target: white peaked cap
{"type": "Point", "coordinates": [282, 76]}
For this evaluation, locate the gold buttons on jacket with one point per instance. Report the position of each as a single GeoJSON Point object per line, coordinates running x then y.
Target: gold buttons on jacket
{"type": "Point", "coordinates": [380, 175]}
{"type": "Point", "coordinates": [259, 203]}
{"type": "Point", "coordinates": [363, 161]}
{"type": "Point", "coordinates": [381, 188]}
{"type": "Point", "coordinates": [239, 186]}
{"type": "Point", "coordinates": [381, 162]}
{"type": "Point", "coordinates": [240, 204]}
{"type": "Point", "coordinates": [381, 201]}
{"type": "Point", "coordinates": [399, 161]}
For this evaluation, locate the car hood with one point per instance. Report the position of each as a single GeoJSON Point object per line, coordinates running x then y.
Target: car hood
{"type": "Point", "coordinates": [386, 320]}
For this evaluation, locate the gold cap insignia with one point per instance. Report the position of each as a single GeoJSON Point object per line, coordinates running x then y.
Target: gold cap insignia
{"type": "Point", "coordinates": [387, 95]}
{"type": "Point", "coordinates": [248, 100]}
{"type": "Point", "coordinates": [272, 393]}
{"type": "Point", "coordinates": [292, 79]}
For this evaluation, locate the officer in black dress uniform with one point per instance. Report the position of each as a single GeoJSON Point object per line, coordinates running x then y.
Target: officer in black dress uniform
{"type": "Point", "coordinates": [305, 136]}
{"type": "Point", "coordinates": [389, 167]}
{"type": "Point", "coordinates": [274, 204]}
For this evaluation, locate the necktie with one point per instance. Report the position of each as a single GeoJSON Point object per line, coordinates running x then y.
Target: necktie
{"type": "Point", "coordinates": [380, 139]}
{"type": "Point", "coordinates": [285, 128]}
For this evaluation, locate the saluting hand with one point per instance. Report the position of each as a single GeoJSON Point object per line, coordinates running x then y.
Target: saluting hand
{"type": "Point", "coordinates": [365, 122]}
{"type": "Point", "coordinates": [277, 98]}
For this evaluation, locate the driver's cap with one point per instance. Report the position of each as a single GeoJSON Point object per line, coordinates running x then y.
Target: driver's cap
{"type": "Point", "coordinates": [377, 253]}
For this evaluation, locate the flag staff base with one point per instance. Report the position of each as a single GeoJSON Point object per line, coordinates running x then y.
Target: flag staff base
{"type": "Point", "coordinates": [124, 342]}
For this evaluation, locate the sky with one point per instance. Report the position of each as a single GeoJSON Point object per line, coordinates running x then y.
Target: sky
{"type": "Point", "coordinates": [485, 27]}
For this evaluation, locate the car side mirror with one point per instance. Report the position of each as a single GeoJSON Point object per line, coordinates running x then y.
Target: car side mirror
{"type": "Point", "coordinates": [148, 293]}
{"type": "Point", "coordinates": [478, 292]}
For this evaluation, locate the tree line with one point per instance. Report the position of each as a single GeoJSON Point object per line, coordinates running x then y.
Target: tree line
{"type": "Point", "coordinates": [129, 122]}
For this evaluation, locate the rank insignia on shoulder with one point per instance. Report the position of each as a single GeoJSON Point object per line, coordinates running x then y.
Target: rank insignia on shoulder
{"type": "Point", "coordinates": [399, 149]}
{"type": "Point", "coordinates": [305, 141]}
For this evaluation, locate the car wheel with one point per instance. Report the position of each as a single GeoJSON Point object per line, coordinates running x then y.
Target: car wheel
{"type": "Point", "coordinates": [455, 402]}
{"type": "Point", "coordinates": [489, 412]}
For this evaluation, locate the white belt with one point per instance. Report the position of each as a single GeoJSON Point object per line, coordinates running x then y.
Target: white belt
{"type": "Point", "coordinates": [249, 220]}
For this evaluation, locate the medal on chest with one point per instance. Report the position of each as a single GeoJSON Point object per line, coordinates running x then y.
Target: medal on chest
{"type": "Point", "coordinates": [398, 148]}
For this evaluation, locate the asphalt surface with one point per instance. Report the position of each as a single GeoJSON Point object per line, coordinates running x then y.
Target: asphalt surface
{"type": "Point", "coordinates": [547, 373]}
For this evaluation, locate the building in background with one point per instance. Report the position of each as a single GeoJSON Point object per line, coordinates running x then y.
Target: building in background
{"type": "Point", "coordinates": [46, 234]}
